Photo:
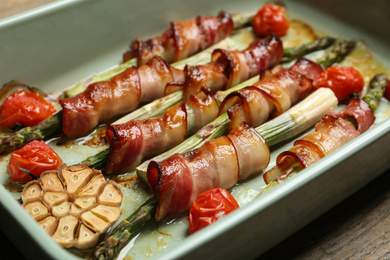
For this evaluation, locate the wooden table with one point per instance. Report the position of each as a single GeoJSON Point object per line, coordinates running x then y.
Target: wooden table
{"type": "Point", "coordinates": [357, 228]}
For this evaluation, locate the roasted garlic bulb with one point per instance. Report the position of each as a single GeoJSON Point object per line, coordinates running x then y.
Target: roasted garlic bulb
{"type": "Point", "coordinates": [74, 205]}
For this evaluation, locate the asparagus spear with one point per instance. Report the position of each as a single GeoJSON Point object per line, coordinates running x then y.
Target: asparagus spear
{"type": "Point", "coordinates": [200, 57]}
{"type": "Point", "coordinates": [52, 125]}
{"type": "Point", "coordinates": [319, 44]}
{"type": "Point", "coordinates": [220, 125]}
{"type": "Point", "coordinates": [109, 248]}
{"type": "Point", "coordinates": [48, 127]}
{"type": "Point", "coordinates": [337, 53]}
{"type": "Point", "coordinates": [294, 121]}
{"type": "Point", "coordinates": [375, 92]}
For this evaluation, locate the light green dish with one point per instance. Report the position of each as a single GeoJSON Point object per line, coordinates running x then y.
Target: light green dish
{"type": "Point", "coordinates": [62, 43]}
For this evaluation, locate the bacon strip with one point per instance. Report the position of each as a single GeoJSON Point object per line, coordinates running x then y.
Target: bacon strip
{"type": "Point", "coordinates": [220, 163]}
{"type": "Point", "coordinates": [131, 142]}
{"type": "Point", "coordinates": [182, 39]}
{"type": "Point", "coordinates": [332, 132]}
{"type": "Point", "coordinates": [272, 96]}
{"type": "Point", "coordinates": [228, 68]}
{"type": "Point", "coordinates": [361, 112]}
{"type": "Point", "coordinates": [105, 100]}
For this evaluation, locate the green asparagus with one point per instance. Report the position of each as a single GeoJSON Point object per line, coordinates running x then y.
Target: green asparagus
{"type": "Point", "coordinates": [110, 247]}
{"type": "Point", "coordinates": [48, 127]}
{"type": "Point", "coordinates": [376, 90]}
{"type": "Point", "coordinates": [290, 54]}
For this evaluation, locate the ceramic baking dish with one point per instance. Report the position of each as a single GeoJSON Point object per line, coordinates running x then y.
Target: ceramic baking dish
{"type": "Point", "coordinates": [59, 44]}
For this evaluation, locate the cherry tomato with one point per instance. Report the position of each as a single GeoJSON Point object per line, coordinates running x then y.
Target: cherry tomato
{"type": "Point", "coordinates": [26, 108]}
{"type": "Point", "coordinates": [343, 81]}
{"type": "Point", "coordinates": [270, 19]}
{"type": "Point", "coordinates": [36, 157]}
{"type": "Point", "coordinates": [209, 207]}
{"type": "Point", "coordinates": [387, 93]}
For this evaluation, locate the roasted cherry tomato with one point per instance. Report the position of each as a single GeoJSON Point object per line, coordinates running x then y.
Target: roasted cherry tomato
{"type": "Point", "coordinates": [270, 19]}
{"type": "Point", "coordinates": [343, 81]}
{"type": "Point", "coordinates": [35, 157]}
{"type": "Point", "coordinates": [209, 207]}
{"type": "Point", "coordinates": [387, 93]}
{"type": "Point", "coordinates": [26, 108]}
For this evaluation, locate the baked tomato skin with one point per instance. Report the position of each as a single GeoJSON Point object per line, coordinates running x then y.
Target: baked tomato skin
{"type": "Point", "coordinates": [25, 108]}
{"type": "Point", "coordinates": [209, 207]}
{"type": "Point", "coordinates": [36, 157]}
{"type": "Point", "coordinates": [343, 81]}
{"type": "Point", "coordinates": [270, 19]}
{"type": "Point", "coordinates": [387, 92]}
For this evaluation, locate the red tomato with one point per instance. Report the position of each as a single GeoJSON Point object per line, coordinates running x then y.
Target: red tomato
{"type": "Point", "coordinates": [26, 108]}
{"type": "Point", "coordinates": [209, 207]}
{"type": "Point", "coordinates": [270, 19]}
{"type": "Point", "coordinates": [36, 157]}
{"type": "Point", "coordinates": [387, 93]}
{"type": "Point", "coordinates": [343, 81]}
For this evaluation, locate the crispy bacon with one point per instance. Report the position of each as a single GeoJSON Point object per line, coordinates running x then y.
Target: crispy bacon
{"type": "Point", "coordinates": [332, 132]}
{"type": "Point", "coordinates": [272, 96]}
{"type": "Point", "coordinates": [200, 108]}
{"type": "Point", "coordinates": [105, 100]}
{"type": "Point", "coordinates": [230, 67]}
{"type": "Point", "coordinates": [361, 112]}
{"type": "Point", "coordinates": [131, 142]}
{"type": "Point", "coordinates": [182, 39]}
{"type": "Point", "coordinates": [220, 163]}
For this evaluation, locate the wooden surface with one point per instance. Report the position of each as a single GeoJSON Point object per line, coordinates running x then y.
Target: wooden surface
{"type": "Point", "coordinates": [358, 228]}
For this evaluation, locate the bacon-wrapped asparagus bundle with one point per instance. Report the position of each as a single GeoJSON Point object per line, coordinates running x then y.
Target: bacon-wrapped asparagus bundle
{"type": "Point", "coordinates": [229, 68]}
{"type": "Point", "coordinates": [133, 141]}
{"type": "Point", "coordinates": [273, 96]}
{"type": "Point", "coordinates": [182, 39]}
{"type": "Point", "coordinates": [104, 100]}
{"type": "Point", "coordinates": [334, 131]}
